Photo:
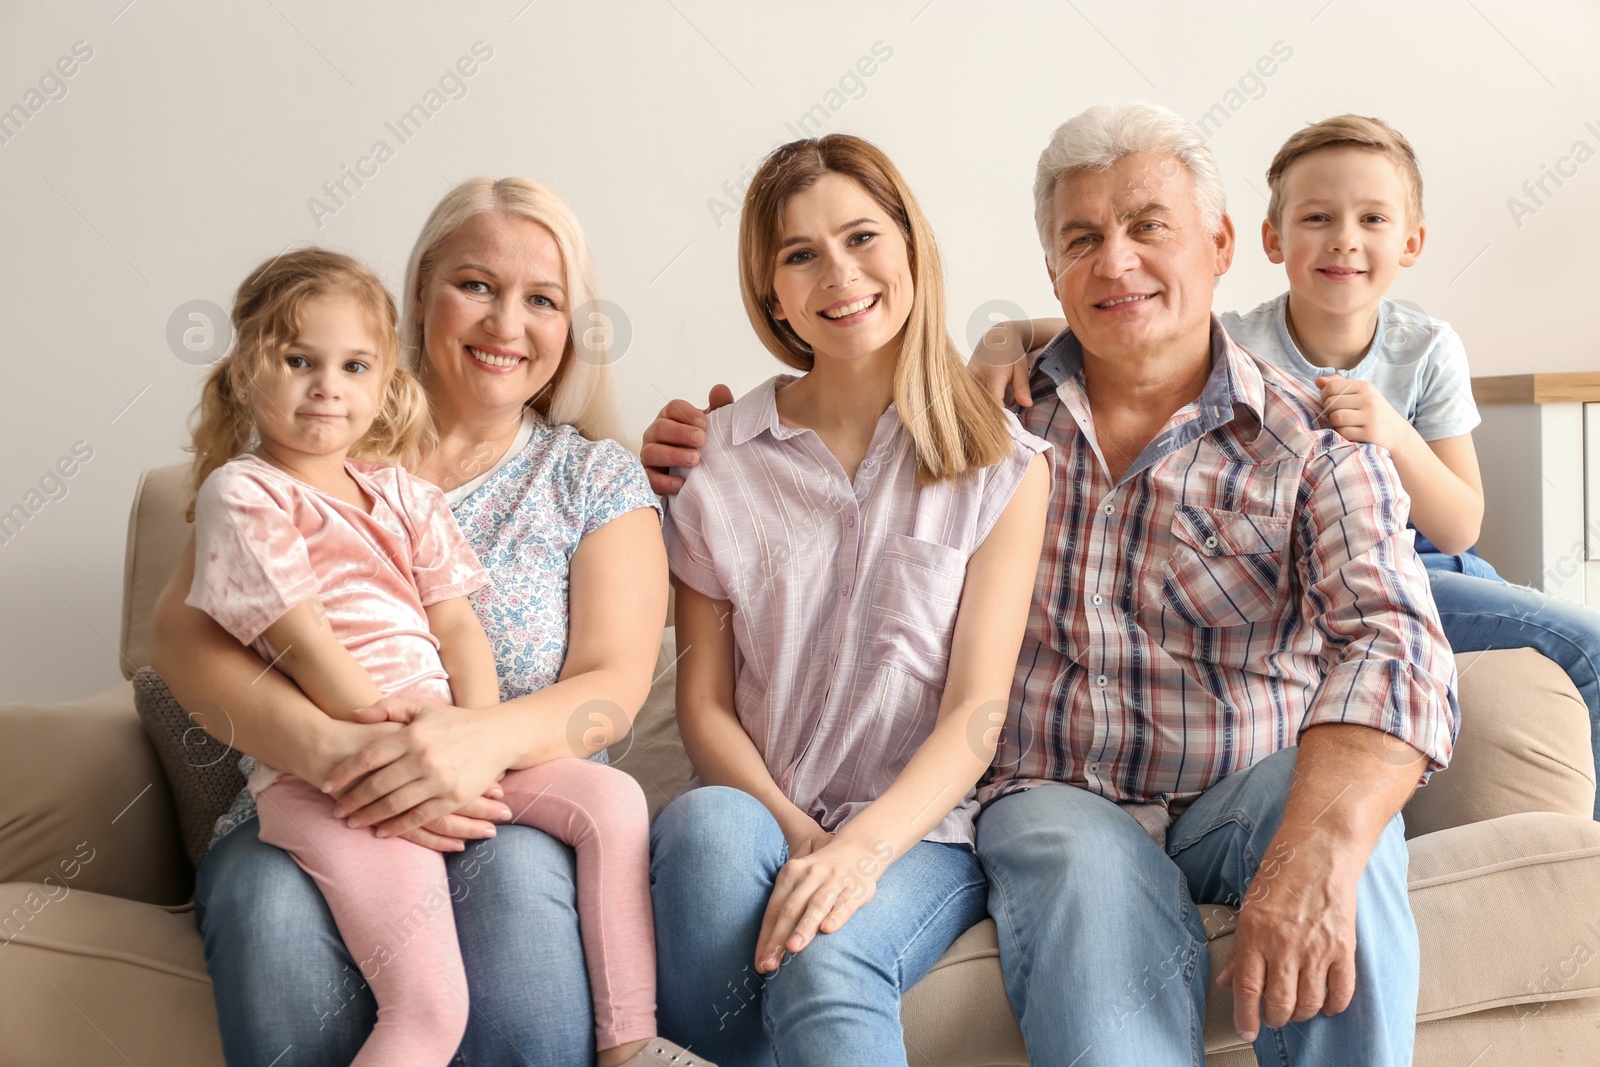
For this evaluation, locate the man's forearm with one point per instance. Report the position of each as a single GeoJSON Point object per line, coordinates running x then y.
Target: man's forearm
{"type": "Point", "coordinates": [1349, 781]}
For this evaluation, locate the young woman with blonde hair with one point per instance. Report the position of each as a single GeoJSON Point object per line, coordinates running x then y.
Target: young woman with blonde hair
{"type": "Point", "coordinates": [853, 558]}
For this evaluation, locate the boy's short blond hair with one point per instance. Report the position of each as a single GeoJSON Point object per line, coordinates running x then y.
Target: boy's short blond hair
{"type": "Point", "coordinates": [1346, 131]}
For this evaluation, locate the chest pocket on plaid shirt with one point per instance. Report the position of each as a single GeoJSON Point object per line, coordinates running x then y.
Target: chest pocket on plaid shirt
{"type": "Point", "coordinates": [1224, 568]}
{"type": "Point", "coordinates": [912, 615]}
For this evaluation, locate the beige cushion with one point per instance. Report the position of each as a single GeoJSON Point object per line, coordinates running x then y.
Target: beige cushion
{"type": "Point", "coordinates": [80, 779]}
{"type": "Point", "coordinates": [1523, 746]}
{"type": "Point", "coordinates": [1505, 915]}
{"type": "Point", "coordinates": [157, 534]}
{"type": "Point", "coordinates": [91, 980]}
{"type": "Point", "coordinates": [1503, 908]}
{"type": "Point", "coordinates": [1558, 1035]}
{"type": "Point", "coordinates": [958, 1015]}
{"type": "Point", "coordinates": [653, 750]}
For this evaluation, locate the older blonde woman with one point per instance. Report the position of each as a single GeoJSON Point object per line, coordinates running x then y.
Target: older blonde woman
{"type": "Point", "coordinates": [565, 524]}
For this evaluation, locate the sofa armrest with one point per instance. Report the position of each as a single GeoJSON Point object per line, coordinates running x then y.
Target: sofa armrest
{"type": "Point", "coordinates": [84, 804]}
{"type": "Point", "coordinates": [1524, 746]}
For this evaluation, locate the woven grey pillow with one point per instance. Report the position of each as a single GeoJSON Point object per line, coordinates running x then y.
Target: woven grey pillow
{"type": "Point", "coordinates": [202, 771]}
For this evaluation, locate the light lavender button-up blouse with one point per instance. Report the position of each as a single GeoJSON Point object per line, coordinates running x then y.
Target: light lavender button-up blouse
{"type": "Point", "coordinates": [844, 595]}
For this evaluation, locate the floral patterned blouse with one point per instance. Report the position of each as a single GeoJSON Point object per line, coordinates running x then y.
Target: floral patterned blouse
{"type": "Point", "coordinates": [524, 519]}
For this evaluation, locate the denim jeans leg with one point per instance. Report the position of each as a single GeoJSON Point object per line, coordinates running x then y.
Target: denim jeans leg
{"type": "Point", "coordinates": [714, 855]}
{"type": "Point", "coordinates": [515, 900]}
{"type": "Point", "coordinates": [1103, 952]}
{"type": "Point", "coordinates": [837, 1003]}
{"type": "Point", "coordinates": [288, 993]}
{"type": "Point", "coordinates": [1223, 840]}
{"type": "Point", "coordinates": [1480, 614]}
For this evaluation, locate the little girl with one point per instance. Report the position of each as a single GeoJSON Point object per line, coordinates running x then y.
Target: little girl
{"type": "Point", "coordinates": [351, 577]}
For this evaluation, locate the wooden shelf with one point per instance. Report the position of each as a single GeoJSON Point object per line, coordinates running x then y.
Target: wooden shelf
{"type": "Point", "coordinates": [1578, 387]}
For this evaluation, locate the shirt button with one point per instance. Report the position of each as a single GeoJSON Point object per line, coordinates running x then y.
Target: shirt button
{"type": "Point", "coordinates": [1211, 542]}
{"type": "Point", "coordinates": [1110, 508]}
{"type": "Point", "coordinates": [1101, 681]}
{"type": "Point", "coordinates": [1095, 600]}
{"type": "Point", "coordinates": [850, 521]}
{"type": "Point", "coordinates": [844, 591]}
{"type": "Point", "coordinates": [869, 464]}
{"type": "Point", "coordinates": [1094, 768]}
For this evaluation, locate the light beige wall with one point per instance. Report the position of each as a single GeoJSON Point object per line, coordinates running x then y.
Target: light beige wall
{"type": "Point", "coordinates": [187, 147]}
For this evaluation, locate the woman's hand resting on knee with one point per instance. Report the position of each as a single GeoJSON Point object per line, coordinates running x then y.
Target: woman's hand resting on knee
{"type": "Point", "coordinates": [817, 892]}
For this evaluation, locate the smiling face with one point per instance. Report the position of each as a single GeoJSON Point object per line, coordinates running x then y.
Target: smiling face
{"type": "Point", "coordinates": [1133, 267]}
{"type": "Point", "coordinates": [495, 315]}
{"type": "Point", "coordinates": [842, 278]}
{"type": "Point", "coordinates": [1344, 231]}
{"type": "Point", "coordinates": [322, 397]}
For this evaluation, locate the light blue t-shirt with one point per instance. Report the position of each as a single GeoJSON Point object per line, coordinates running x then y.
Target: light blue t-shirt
{"type": "Point", "coordinates": [1416, 362]}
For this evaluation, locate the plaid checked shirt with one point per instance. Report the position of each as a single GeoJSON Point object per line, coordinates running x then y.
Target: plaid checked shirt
{"type": "Point", "coordinates": [1250, 576]}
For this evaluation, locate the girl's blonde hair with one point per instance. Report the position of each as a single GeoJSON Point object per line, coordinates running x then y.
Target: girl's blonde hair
{"type": "Point", "coordinates": [580, 392]}
{"type": "Point", "coordinates": [955, 426]}
{"type": "Point", "coordinates": [266, 321]}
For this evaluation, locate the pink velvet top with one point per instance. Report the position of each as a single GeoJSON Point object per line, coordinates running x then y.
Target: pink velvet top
{"type": "Point", "coordinates": [265, 541]}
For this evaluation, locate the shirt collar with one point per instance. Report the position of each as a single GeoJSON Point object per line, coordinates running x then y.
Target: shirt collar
{"type": "Point", "coordinates": [757, 412]}
{"type": "Point", "coordinates": [1235, 381]}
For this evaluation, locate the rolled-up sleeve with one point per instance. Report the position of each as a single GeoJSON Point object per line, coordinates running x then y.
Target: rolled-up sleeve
{"type": "Point", "coordinates": [1386, 662]}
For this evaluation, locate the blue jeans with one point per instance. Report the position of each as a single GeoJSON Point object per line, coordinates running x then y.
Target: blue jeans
{"type": "Point", "coordinates": [715, 854]}
{"type": "Point", "coordinates": [1480, 611]}
{"type": "Point", "coordinates": [288, 994]}
{"type": "Point", "coordinates": [1102, 944]}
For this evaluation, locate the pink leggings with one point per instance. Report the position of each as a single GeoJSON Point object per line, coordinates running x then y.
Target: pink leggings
{"type": "Point", "coordinates": [391, 903]}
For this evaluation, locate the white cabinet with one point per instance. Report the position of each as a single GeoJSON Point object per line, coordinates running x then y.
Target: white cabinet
{"type": "Point", "coordinates": [1539, 448]}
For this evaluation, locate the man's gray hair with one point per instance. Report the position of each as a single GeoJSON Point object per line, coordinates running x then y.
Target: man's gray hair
{"type": "Point", "coordinates": [1097, 138]}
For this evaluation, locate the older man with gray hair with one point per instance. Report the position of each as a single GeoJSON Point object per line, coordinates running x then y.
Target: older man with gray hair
{"type": "Point", "coordinates": [1234, 675]}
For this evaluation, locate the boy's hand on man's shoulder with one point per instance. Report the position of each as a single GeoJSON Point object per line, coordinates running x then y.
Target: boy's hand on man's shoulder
{"type": "Point", "coordinates": [1360, 413]}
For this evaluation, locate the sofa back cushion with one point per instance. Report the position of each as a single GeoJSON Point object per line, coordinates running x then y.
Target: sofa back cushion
{"type": "Point", "coordinates": [1523, 745]}
{"type": "Point", "coordinates": [157, 533]}
{"type": "Point", "coordinates": [653, 750]}
{"type": "Point", "coordinates": [84, 805]}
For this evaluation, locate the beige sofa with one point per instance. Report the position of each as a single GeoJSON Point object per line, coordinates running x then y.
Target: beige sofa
{"type": "Point", "coordinates": [100, 962]}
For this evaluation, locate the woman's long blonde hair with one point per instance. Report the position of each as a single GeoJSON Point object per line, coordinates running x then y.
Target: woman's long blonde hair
{"type": "Point", "coordinates": [580, 392]}
{"type": "Point", "coordinates": [266, 321]}
{"type": "Point", "coordinates": [956, 426]}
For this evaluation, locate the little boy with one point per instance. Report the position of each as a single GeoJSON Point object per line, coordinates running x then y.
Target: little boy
{"type": "Point", "coordinates": [1345, 214]}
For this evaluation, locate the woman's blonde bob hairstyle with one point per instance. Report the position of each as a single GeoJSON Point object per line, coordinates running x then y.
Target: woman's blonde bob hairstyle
{"type": "Point", "coordinates": [266, 321]}
{"type": "Point", "coordinates": [580, 392]}
{"type": "Point", "coordinates": [955, 426]}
